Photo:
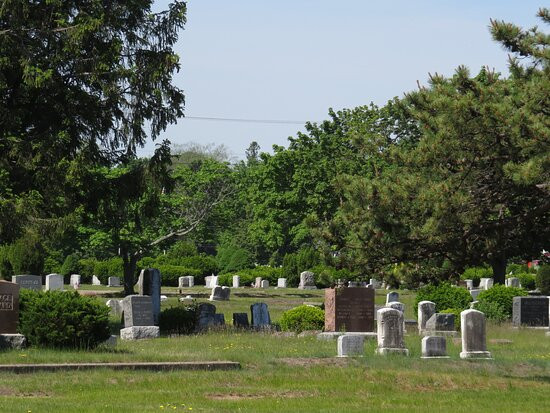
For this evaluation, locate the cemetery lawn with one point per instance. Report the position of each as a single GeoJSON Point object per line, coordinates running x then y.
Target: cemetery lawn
{"type": "Point", "coordinates": [290, 374]}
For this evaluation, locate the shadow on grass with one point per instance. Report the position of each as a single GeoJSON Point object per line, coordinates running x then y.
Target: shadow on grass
{"type": "Point", "coordinates": [543, 379]}
{"type": "Point", "coordinates": [109, 350]}
{"type": "Point", "coordinates": [248, 295]}
{"type": "Point", "coordinates": [305, 295]}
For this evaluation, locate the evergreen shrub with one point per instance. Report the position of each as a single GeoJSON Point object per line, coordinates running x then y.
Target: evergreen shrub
{"type": "Point", "coordinates": [501, 295]}
{"type": "Point", "coordinates": [303, 318]}
{"type": "Point", "coordinates": [444, 296]}
{"type": "Point", "coordinates": [527, 281]}
{"type": "Point", "coordinates": [476, 273]}
{"type": "Point", "coordinates": [178, 320]}
{"type": "Point", "coordinates": [112, 267]}
{"type": "Point", "coordinates": [543, 279]}
{"type": "Point", "coordinates": [493, 311]}
{"type": "Point", "coordinates": [171, 273]}
{"type": "Point", "coordinates": [62, 319]}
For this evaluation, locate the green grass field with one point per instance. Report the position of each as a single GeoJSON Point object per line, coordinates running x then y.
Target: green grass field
{"type": "Point", "coordinates": [282, 373]}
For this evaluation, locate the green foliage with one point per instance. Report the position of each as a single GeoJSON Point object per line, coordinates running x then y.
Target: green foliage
{"type": "Point", "coordinates": [112, 267]}
{"type": "Point", "coordinates": [53, 262]}
{"type": "Point", "coordinates": [303, 318]}
{"type": "Point", "coordinates": [248, 276]}
{"type": "Point", "coordinates": [6, 270]}
{"type": "Point", "coordinates": [543, 279]}
{"type": "Point", "coordinates": [527, 281]}
{"type": "Point", "coordinates": [27, 255]}
{"type": "Point", "coordinates": [492, 310]}
{"type": "Point", "coordinates": [171, 273]}
{"type": "Point", "coordinates": [514, 269]}
{"type": "Point", "coordinates": [456, 312]}
{"type": "Point", "coordinates": [231, 258]}
{"type": "Point", "coordinates": [62, 319]}
{"type": "Point", "coordinates": [295, 263]}
{"type": "Point", "coordinates": [326, 276]}
{"type": "Point", "coordinates": [204, 263]}
{"type": "Point", "coordinates": [178, 320]}
{"type": "Point", "coordinates": [476, 273]}
{"type": "Point", "coordinates": [87, 267]}
{"type": "Point", "coordinates": [503, 296]}
{"type": "Point", "coordinates": [181, 249]}
{"type": "Point", "coordinates": [71, 265]}
{"type": "Point", "coordinates": [444, 296]}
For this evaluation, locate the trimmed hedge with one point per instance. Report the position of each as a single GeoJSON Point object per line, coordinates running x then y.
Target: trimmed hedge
{"type": "Point", "coordinates": [527, 281]}
{"type": "Point", "coordinates": [109, 268]}
{"type": "Point", "coordinates": [502, 296]}
{"type": "Point", "coordinates": [444, 296]}
{"type": "Point", "coordinates": [476, 273]}
{"type": "Point", "coordinates": [62, 319]}
{"type": "Point", "coordinates": [248, 276]}
{"type": "Point", "coordinates": [303, 318]}
{"type": "Point", "coordinates": [171, 273]}
{"type": "Point", "coordinates": [178, 320]}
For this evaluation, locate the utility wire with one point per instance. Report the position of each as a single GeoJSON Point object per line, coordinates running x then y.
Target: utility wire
{"type": "Point", "coordinates": [277, 121]}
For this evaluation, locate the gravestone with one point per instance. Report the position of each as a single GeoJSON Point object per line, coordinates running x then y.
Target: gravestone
{"type": "Point", "coordinates": [258, 282]}
{"type": "Point", "coordinates": [260, 315]}
{"type": "Point", "coordinates": [475, 292]}
{"type": "Point", "coordinates": [115, 306]}
{"type": "Point", "coordinates": [240, 320]}
{"type": "Point", "coordinates": [9, 307]}
{"type": "Point", "coordinates": [390, 332]}
{"type": "Point", "coordinates": [397, 305]}
{"type": "Point", "coordinates": [392, 296]}
{"type": "Point", "coordinates": [113, 282]}
{"type": "Point", "coordinates": [441, 324]}
{"type": "Point", "coordinates": [375, 283]}
{"type": "Point", "coordinates": [220, 294]}
{"type": "Point", "coordinates": [425, 310]}
{"type": "Point", "coordinates": [307, 281]}
{"type": "Point", "coordinates": [236, 281]}
{"type": "Point", "coordinates": [485, 283]}
{"type": "Point", "coordinates": [469, 284]}
{"type": "Point", "coordinates": [211, 281]}
{"type": "Point", "coordinates": [54, 282]}
{"type": "Point", "coordinates": [281, 283]}
{"type": "Point", "coordinates": [351, 345]}
{"type": "Point", "coordinates": [207, 317]}
{"type": "Point", "coordinates": [434, 347]}
{"type": "Point", "coordinates": [265, 284]}
{"type": "Point", "coordinates": [530, 311]}
{"type": "Point", "coordinates": [188, 281]}
{"type": "Point", "coordinates": [75, 281]}
{"type": "Point", "coordinates": [512, 282]}
{"type": "Point", "coordinates": [149, 283]}
{"type": "Point", "coordinates": [474, 339]}
{"type": "Point", "coordinates": [349, 309]}
{"type": "Point", "coordinates": [95, 280]}
{"type": "Point", "coordinates": [138, 318]}
{"type": "Point", "coordinates": [29, 282]}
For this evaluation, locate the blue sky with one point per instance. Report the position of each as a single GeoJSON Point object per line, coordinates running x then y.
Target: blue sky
{"type": "Point", "coordinates": [292, 60]}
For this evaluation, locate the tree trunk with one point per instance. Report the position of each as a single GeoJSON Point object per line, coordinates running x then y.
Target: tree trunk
{"type": "Point", "coordinates": [498, 263]}
{"type": "Point", "coordinates": [130, 264]}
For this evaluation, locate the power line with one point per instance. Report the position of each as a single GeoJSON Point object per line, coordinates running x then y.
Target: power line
{"type": "Point", "coordinates": [276, 121]}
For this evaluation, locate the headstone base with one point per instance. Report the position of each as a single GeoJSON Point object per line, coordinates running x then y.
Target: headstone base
{"type": "Point", "coordinates": [388, 350]}
{"type": "Point", "coordinates": [483, 355]}
{"type": "Point", "coordinates": [331, 335]}
{"type": "Point", "coordinates": [12, 341]}
{"type": "Point", "coordinates": [139, 332]}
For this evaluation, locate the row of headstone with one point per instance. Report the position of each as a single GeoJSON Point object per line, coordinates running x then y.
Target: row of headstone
{"type": "Point", "coordinates": [54, 282]}
{"type": "Point", "coordinates": [390, 336]}
{"type": "Point", "coordinates": [208, 318]}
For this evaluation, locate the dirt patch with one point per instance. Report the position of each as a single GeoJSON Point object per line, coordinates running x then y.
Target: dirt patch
{"type": "Point", "coordinates": [250, 396]}
{"type": "Point", "coordinates": [6, 391]}
{"type": "Point", "coordinates": [306, 362]}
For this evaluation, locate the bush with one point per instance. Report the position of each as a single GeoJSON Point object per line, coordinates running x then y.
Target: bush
{"type": "Point", "coordinates": [146, 262]}
{"type": "Point", "coordinates": [543, 279]}
{"type": "Point", "coordinates": [476, 273]}
{"type": "Point", "coordinates": [293, 264]}
{"type": "Point", "coordinates": [325, 276]}
{"type": "Point", "coordinates": [302, 318]}
{"type": "Point", "coordinates": [492, 310]}
{"type": "Point", "coordinates": [456, 312]}
{"type": "Point", "coordinates": [204, 263]}
{"type": "Point", "coordinates": [70, 265]}
{"type": "Point", "coordinates": [87, 267]}
{"type": "Point", "coordinates": [178, 320]}
{"type": "Point", "coordinates": [112, 267]}
{"type": "Point", "coordinates": [515, 269]}
{"type": "Point", "coordinates": [6, 270]}
{"type": "Point", "coordinates": [527, 280]}
{"type": "Point", "coordinates": [62, 319]}
{"type": "Point", "coordinates": [171, 273]}
{"type": "Point", "coordinates": [182, 249]}
{"type": "Point", "coordinates": [231, 259]}
{"type": "Point", "coordinates": [248, 276]}
{"type": "Point", "coordinates": [27, 255]}
{"type": "Point", "coordinates": [444, 296]}
{"type": "Point", "coordinates": [501, 295]}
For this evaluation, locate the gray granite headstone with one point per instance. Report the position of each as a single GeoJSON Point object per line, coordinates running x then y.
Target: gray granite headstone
{"type": "Point", "coordinates": [434, 347]}
{"type": "Point", "coordinates": [113, 282]}
{"type": "Point", "coordinates": [281, 283]}
{"type": "Point", "coordinates": [115, 306]}
{"type": "Point", "coordinates": [260, 315]}
{"type": "Point", "coordinates": [54, 282]}
{"type": "Point", "coordinates": [469, 284]}
{"type": "Point", "coordinates": [265, 284]}
{"type": "Point", "coordinates": [307, 281]}
{"type": "Point", "coordinates": [258, 282]}
{"type": "Point", "coordinates": [486, 283]}
{"type": "Point", "coordinates": [425, 310]}
{"type": "Point", "coordinates": [391, 297]}
{"type": "Point", "coordinates": [29, 282]}
{"type": "Point", "coordinates": [474, 339]}
{"type": "Point", "coordinates": [441, 323]}
{"type": "Point", "coordinates": [351, 345]}
{"type": "Point", "coordinates": [530, 311]}
{"type": "Point", "coordinates": [220, 293]}
{"type": "Point", "coordinates": [390, 332]}
{"type": "Point", "coordinates": [138, 310]}
{"type": "Point", "coordinates": [240, 320]}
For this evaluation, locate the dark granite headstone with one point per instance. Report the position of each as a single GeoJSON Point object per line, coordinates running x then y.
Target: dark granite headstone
{"type": "Point", "coordinates": [260, 315]}
{"type": "Point", "coordinates": [531, 311]}
{"type": "Point", "coordinates": [349, 309]}
{"type": "Point", "coordinates": [149, 283]}
{"type": "Point", "coordinates": [240, 320]}
{"type": "Point", "coordinates": [206, 316]}
{"type": "Point", "coordinates": [9, 307]}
